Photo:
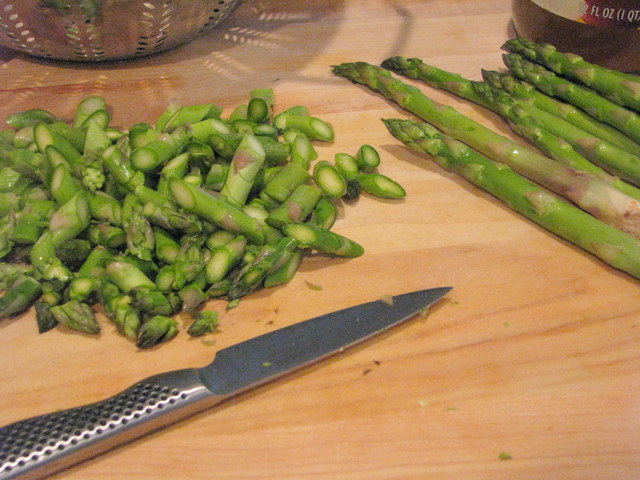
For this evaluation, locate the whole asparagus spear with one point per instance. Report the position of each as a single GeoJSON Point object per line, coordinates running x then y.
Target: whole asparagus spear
{"type": "Point", "coordinates": [588, 191]}
{"type": "Point", "coordinates": [539, 126]}
{"type": "Point", "coordinates": [613, 159]}
{"type": "Point", "coordinates": [618, 87]}
{"type": "Point", "coordinates": [588, 100]}
{"type": "Point", "coordinates": [526, 92]}
{"type": "Point", "coordinates": [519, 120]}
{"type": "Point", "coordinates": [616, 248]}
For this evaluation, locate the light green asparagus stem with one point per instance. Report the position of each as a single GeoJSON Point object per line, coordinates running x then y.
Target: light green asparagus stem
{"type": "Point", "coordinates": [302, 150]}
{"type": "Point", "coordinates": [187, 267]}
{"type": "Point", "coordinates": [545, 130]}
{"type": "Point", "coordinates": [138, 230]}
{"type": "Point", "coordinates": [591, 102]}
{"type": "Point", "coordinates": [70, 219]}
{"type": "Point", "coordinates": [380, 185]}
{"type": "Point", "coordinates": [592, 149]}
{"type": "Point", "coordinates": [347, 164]}
{"type": "Point", "coordinates": [268, 260]}
{"type": "Point", "coordinates": [127, 277]}
{"type": "Point", "coordinates": [224, 258]}
{"type": "Point", "coordinates": [162, 212]}
{"type": "Point", "coordinates": [187, 115]}
{"type": "Point", "coordinates": [257, 209]}
{"type": "Point", "coordinates": [258, 110]}
{"type": "Point", "coordinates": [268, 97]}
{"type": "Point", "coordinates": [120, 310]}
{"type": "Point", "coordinates": [225, 146]}
{"type": "Point", "coordinates": [206, 128]}
{"type": "Point", "coordinates": [324, 214]}
{"type": "Point", "coordinates": [152, 155]}
{"type": "Point", "coordinates": [216, 176]}
{"type": "Point", "coordinates": [52, 158]}
{"type": "Point", "coordinates": [614, 247]}
{"type": "Point", "coordinates": [192, 297]}
{"type": "Point", "coordinates": [323, 240]}
{"type": "Point", "coordinates": [116, 164]}
{"type": "Point", "coordinates": [75, 135]}
{"type": "Point", "coordinates": [448, 81]}
{"type": "Point", "coordinates": [63, 184]}
{"type": "Point", "coordinates": [131, 280]}
{"type": "Point", "coordinates": [286, 271]}
{"type": "Point", "coordinates": [26, 161]}
{"type": "Point", "coordinates": [313, 127]}
{"type": "Point", "coordinates": [31, 221]}
{"type": "Point", "coordinates": [96, 139]}
{"type": "Point", "coordinates": [89, 276]}
{"type": "Point", "coordinates": [621, 88]}
{"type": "Point", "coordinates": [9, 272]}
{"type": "Point", "coordinates": [594, 195]}
{"type": "Point", "coordinates": [46, 264]}
{"type": "Point", "coordinates": [104, 207]}
{"type": "Point", "coordinates": [296, 208]}
{"type": "Point", "coordinates": [106, 235]}
{"type": "Point", "coordinates": [367, 158]}
{"type": "Point", "coordinates": [526, 92]}
{"type": "Point", "coordinates": [216, 210]}
{"type": "Point", "coordinates": [167, 248]}
{"type": "Point", "coordinates": [285, 181]}
{"type": "Point", "coordinates": [44, 137]}
{"type": "Point", "coordinates": [30, 117]}
{"type": "Point", "coordinates": [86, 107]}
{"type": "Point", "coordinates": [140, 134]}
{"type": "Point", "coordinates": [245, 165]}
{"type": "Point", "coordinates": [329, 179]}
{"type": "Point", "coordinates": [7, 225]}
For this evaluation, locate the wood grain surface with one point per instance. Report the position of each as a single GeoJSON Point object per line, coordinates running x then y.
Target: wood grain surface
{"type": "Point", "coordinates": [534, 353]}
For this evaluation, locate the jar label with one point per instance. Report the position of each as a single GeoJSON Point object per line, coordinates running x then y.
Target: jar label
{"type": "Point", "coordinates": [600, 13]}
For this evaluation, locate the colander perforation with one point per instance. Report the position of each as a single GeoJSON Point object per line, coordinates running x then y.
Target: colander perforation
{"type": "Point", "coordinates": [121, 29]}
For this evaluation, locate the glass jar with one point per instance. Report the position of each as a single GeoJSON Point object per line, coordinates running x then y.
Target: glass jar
{"type": "Point", "coordinates": [605, 32]}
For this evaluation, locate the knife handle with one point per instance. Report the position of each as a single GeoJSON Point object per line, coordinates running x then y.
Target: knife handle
{"type": "Point", "coordinates": [42, 445]}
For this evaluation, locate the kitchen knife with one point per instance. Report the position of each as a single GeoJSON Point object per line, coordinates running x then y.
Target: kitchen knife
{"type": "Point", "coordinates": [43, 445]}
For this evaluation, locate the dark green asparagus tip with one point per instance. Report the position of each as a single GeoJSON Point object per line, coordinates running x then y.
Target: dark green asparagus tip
{"type": "Point", "coordinates": [397, 64]}
{"type": "Point", "coordinates": [205, 321]}
{"type": "Point", "coordinates": [489, 94]}
{"type": "Point", "coordinates": [156, 330]}
{"type": "Point", "coordinates": [526, 46]}
{"type": "Point", "coordinates": [76, 316]}
{"type": "Point", "coordinates": [20, 296]}
{"type": "Point", "coordinates": [347, 70]}
{"type": "Point", "coordinates": [513, 61]}
{"type": "Point", "coordinates": [510, 44]}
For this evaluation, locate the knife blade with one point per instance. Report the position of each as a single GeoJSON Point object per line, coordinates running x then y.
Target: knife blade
{"type": "Point", "coordinates": [43, 445]}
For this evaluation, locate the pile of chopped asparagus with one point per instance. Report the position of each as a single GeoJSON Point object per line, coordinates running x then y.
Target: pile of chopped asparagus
{"type": "Point", "coordinates": [580, 178]}
{"type": "Point", "coordinates": [155, 220]}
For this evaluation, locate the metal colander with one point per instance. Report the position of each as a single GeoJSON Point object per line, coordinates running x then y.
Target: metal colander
{"type": "Point", "coordinates": [100, 30]}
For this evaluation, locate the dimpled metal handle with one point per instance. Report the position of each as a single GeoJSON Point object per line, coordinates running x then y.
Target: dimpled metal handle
{"type": "Point", "coordinates": [42, 445]}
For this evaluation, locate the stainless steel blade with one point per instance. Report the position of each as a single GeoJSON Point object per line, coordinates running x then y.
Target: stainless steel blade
{"type": "Point", "coordinates": [262, 358]}
{"type": "Point", "coordinates": [43, 445]}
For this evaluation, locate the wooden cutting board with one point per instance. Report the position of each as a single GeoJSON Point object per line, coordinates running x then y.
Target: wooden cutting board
{"type": "Point", "coordinates": [534, 353]}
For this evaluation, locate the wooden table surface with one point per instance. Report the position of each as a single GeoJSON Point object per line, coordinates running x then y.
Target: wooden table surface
{"type": "Point", "coordinates": [534, 353]}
